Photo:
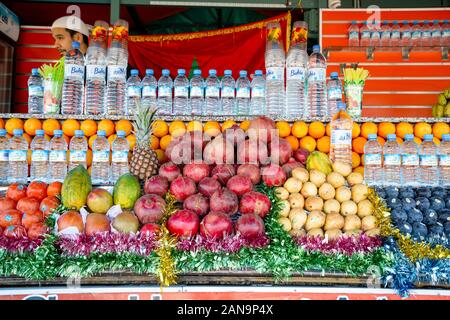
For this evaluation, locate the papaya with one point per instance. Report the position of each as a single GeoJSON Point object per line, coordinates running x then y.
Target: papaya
{"type": "Point", "coordinates": [319, 161]}
{"type": "Point", "coordinates": [126, 191]}
{"type": "Point", "coordinates": [76, 187]}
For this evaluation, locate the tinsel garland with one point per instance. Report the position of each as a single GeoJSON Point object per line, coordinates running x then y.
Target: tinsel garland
{"type": "Point", "coordinates": [19, 245]}
{"type": "Point", "coordinates": [230, 244]}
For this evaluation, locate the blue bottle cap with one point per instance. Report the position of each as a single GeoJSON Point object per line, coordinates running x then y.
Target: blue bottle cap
{"type": "Point", "coordinates": [2, 132]}
{"type": "Point", "coordinates": [166, 72]}
{"type": "Point", "coordinates": [57, 132]}
{"type": "Point", "coordinates": [395, 22]}
{"type": "Point", "coordinates": [316, 48]}
{"type": "Point", "coordinates": [34, 71]}
{"type": "Point", "coordinates": [372, 136]}
{"type": "Point", "coordinates": [197, 72]}
{"type": "Point", "coordinates": [181, 72]}
{"type": "Point", "coordinates": [445, 21]}
{"type": "Point", "coordinates": [101, 133]}
{"type": "Point", "coordinates": [416, 22]}
{"type": "Point", "coordinates": [242, 73]}
{"type": "Point", "coordinates": [365, 23]}
{"type": "Point", "coordinates": [40, 132]}
{"type": "Point", "coordinates": [121, 134]}
{"type": "Point", "coordinates": [258, 73]}
{"type": "Point", "coordinates": [18, 132]}
{"type": "Point", "coordinates": [334, 75]}
{"type": "Point", "coordinates": [409, 137]}
{"type": "Point", "coordinates": [428, 137]}
{"type": "Point", "coordinates": [134, 72]}
{"type": "Point", "coordinates": [79, 133]}
{"type": "Point", "coordinates": [228, 72]}
{"type": "Point", "coordinates": [149, 72]}
{"type": "Point", "coordinates": [76, 45]}
{"type": "Point", "coordinates": [435, 21]}
{"type": "Point", "coordinates": [341, 106]}
{"type": "Point", "coordinates": [353, 22]}
{"type": "Point", "coordinates": [425, 22]}
{"type": "Point", "coordinates": [212, 72]}
{"type": "Point", "coordinates": [405, 21]}
{"type": "Point", "coordinates": [385, 22]}
{"type": "Point", "coordinates": [391, 137]}
{"type": "Point", "coordinates": [446, 137]}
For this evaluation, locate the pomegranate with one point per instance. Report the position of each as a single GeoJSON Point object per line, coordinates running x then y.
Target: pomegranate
{"type": "Point", "coordinates": [149, 208]}
{"type": "Point", "coordinates": [97, 223]}
{"type": "Point", "coordinates": [224, 200]}
{"type": "Point", "coordinates": [169, 170]}
{"type": "Point", "coordinates": [255, 202]}
{"type": "Point", "coordinates": [250, 170]}
{"type": "Point", "coordinates": [184, 223]}
{"type": "Point", "coordinates": [301, 155]}
{"type": "Point", "coordinates": [182, 187]}
{"type": "Point", "coordinates": [216, 225]}
{"type": "Point", "coordinates": [273, 175]}
{"type": "Point", "coordinates": [15, 232]}
{"type": "Point", "coordinates": [171, 152]}
{"type": "Point", "coordinates": [223, 172]}
{"type": "Point", "coordinates": [291, 165]}
{"type": "Point", "coordinates": [156, 185]}
{"type": "Point", "coordinates": [151, 228]}
{"type": "Point", "coordinates": [240, 185]}
{"type": "Point", "coordinates": [207, 186]}
{"type": "Point", "coordinates": [280, 151]}
{"type": "Point", "coordinates": [262, 129]}
{"type": "Point", "coordinates": [219, 151]}
{"type": "Point", "coordinates": [196, 171]}
{"type": "Point", "coordinates": [71, 219]}
{"type": "Point", "coordinates": [250, 226]}
{"type": "Point", "coordinates": [197, 203]}
{"type": "Point", "coordinates": [253, 151]}
{"type": "Point", "coordinates": [234, 135]}
{"type": "Point", "coordinates": [37, 230]}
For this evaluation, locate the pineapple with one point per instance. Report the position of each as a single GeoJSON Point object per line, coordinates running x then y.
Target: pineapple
{"type": "Point", "coordinates": [144, 162]}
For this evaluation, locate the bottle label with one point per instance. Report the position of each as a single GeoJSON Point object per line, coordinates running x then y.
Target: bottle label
{"type": "Point", "coordinates": [227, 92]}
{"type": "Point", "coordinates": [372, 159]}
{"type": "Point", "coordinates": [95, 72]}
{"type": "Point", "coordinates": [436, 34]}
{"type": "Point", "coordinates": [100, 156]}
{"type": "Point", "coordinates": [392, 159]}
{"type": "Point", "coordinates": [416, 34]}
{"type": "Point", "coordinates": [334, 94]}
{"type": "Point", "coordinates": [386, 34]}
{"type": "Point", "coordinates": [36, 91]}
{"type": "Point", "coordinates": [77, 156]}
{"type": "Point", "coordinates": [444, 160]}
{"type": "Point", "coordinates": [39, 156]}
{"type": "Point", "coordinates": [212, 92]}
{"type": "Point", "coordinates": [365, 34]}
{"type": "Point", "coordinates": [74, 71]}
{"type": "Point", "coordinates": [406, 34]}
{"type": "Point", "coordinates": [58, 156]}
{"type": "Point", "coordinates": [133, 91]}
{"type": "Point", "coordinates": [428, 160]}
{"type": "Point", "coordinates": [354, 35]}
{"type": "Point", "coordinates": [117, 73]}
{"type": "Point", "coordinates": [295, 73]}
{"type": "Point", "coordinates": [340, 137]}
{"type": "Point", "coordinates": [446, 33]}
{"type": "Point", "coordinates": [4, 155]}
{"type": "Point", "coordinates": [243, 93]}
{"type": "Point", "coordinates": [196, 92]}
{"type": "Point", "coordinates": [395, 35]}
{"type": "Point", "coordinates": [426, 34]}
{"type": "Point", "coordinates": [120, 156]}
{"type": "Point", "coordinates": [275, 73]}
{"type": "Point", "coordinates": [181, 92]}
{"type": "Point", "coordinates": [258, 92]}
{"type": "Point", "coordinates": [164, 91]}
{"type": "Point", "coordinates": [149, 91]}
{"type": "Point", "coordinates": [316, 74]}
{"type": "Point", "coordinates": [410, 159]}
{"type": "Point", "coordinates": [17, 155]}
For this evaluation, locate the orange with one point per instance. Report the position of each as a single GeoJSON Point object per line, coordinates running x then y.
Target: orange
{"type": "Point", "coordinates": [31, 125]}
{"type": "Point", "coordinates": [91, 140]}
{"type": "Point", "coordinates": [47, 137]}
{"type": "Point", "coordinates": [308, 143]}
{"type": "Point", "coordinates": [165, 141]}
{"type": "Point", "coordinates": [106, 125]}
{"type": "Point", "coordinates": [328, 129]}
{"type": "Point", "coordinates": [385, 128]}
{"type": "Point", "coordinates": [67, 139]}
{"type": "Point", "coordinates": [161, 155]}
{"type": "Point", "coordinates": [132, 141]}
{"type": "Point", "coordinates": [368, 128]}
{"type": "Point", "coordinates": [51, 125]}
{"type": "Point", "coordinates": [293, 141]}
{"type": "Point", "coordinates": [418, 141]}
{"type": "Point", "coordinates": [323, 144]}
{"type": "Point", "coordinates": [381, 141]}
{"type": "Point", "coordinates": [356, 130]}
{"type": "Point", "coordinates": [440, 128]}
{"type": "Point", "coordinates": [358, 144]}
{"type": "Point", "coordinates": [28, 138]}
{"type": "Point", "coordinates": [436, 141]}
{"type": "Point", "coordinates": [227, 124]}
{"type": "Point", "coordinates": [245, 124]}
{"type": "Point", "coordinates": [12, 124]}
{"type": "Point", "coordinates": [299, 129]}
{"type": "Point", "coordinates": [399, 140]}
{"type": "Point", "coordinates": [154, 142]}
{"type": "Point", "coordinates": [177, 128]}
{"type": "Point", "coordinates": [421, 129]}
{"type": "Point", "coordinates": [159, 128]}
{"type": "Point", "coordinates": [69, 126]}
{"type": "Point", "coordinates": [404, 128]}
{"type": "Point", "coordinates": [360, 169]}
{"type": "Point", "coordinates": [316, 129]}
{"type": "Point", "coordinates": [2, 124]}
{"type": "Point", "coordinates": [111, 139]}
{"type": "Point", "coordinates": [194, 126]}
{"type": "Point", "coordinates": [212, 128]}
{"type": "Point", "coordinates": [89, 127]}
{"type": "Point", "coordinates": [124, 125]}
{"type": "Point", "coordinates": [362, 159]}
{"type": "Point", "coordinates": [284, 129]}
{"type": "Point", "coordinates": [89, 157]}
{"type": "Point", "coordinates": [356, 160]}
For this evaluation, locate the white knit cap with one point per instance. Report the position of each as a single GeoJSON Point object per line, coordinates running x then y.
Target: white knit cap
{"type": "Point", "coordinates": [72, 23]}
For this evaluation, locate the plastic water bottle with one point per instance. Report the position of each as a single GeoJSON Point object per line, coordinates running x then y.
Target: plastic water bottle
{"type": "Point", "coordinates": [17, 157]}
{"type": "Point", "coordinates": [275, 64]}
{"type": "Point", "coordinates": [341, 136]}
{"type": "Point", "coordinates": [181, 93]}
{"type": "Point", "coordinates": [165, 85]}
{"type": "Point", "coordinates": [78, 150]}
{"type": "Point", "coordinates": [429, 174]}
{"type": "Point", "coordinates": [258, 99]}
{"type": "Point", "coordinates": [120, 149]}
{"type": "Point", "coordinates": [133, 92]}
{"type": "Point", "coordinates": [317, 85]}
{"type": "Point", "coordinates": [334, 93]}
{"type": "Point", "coordinates": [444, 161]}
{"type": "Point", "coordinates": [436, 34]}
{"type": "Point", "coordinates": [227, 86]}
{"type": "Point", "coordinates": [212, 100]}
{"type": "Point", "coordinates": [101, 168]}
{"type": "Point", "coordinates": [35, 93]}
{"type": "Point", "coordinates": [58, 157]}
{"type": "Point", "coordinates": [426, 34]}
{"type": "Point", "coordinates": [353, 35]}
{"type": "Point", "coordinates": [445, 34]}
{"type": "Point", "coordinates": [392, 161]}
{"type": "Point", "coordinates": [4, 152]}
{"type": "Point", "coordinates": [395, 34]}
{"type": "Point", "coordinates": [39, 157]}
{"type": "Point", "coordinates": [385, 34]}
{"type": "Point", "coordinates": [243, 94]}
{"type": "Point", "coordinates": [373, 170]}
{"type": "Point", "coordinates": [149, 86]}
{"type": "Point", "coordinates": [410, 161]}
{"type": "Point", "coordinates": [197, 85]}
{"type": "Point", "coordinates": [416, 35]}
{"type": "Point", "coordinates": [406, 32]}
{"type": "Point", "coordinates": [296, 66]}
{"type": "Point", "coordinates": [73, 85]}
{"type": "Point", "coordinates": [375, 35]}
{"type": "Point", "coordinates": [95, 78]}
{"type": "Point", "coordinates": [365, 35]}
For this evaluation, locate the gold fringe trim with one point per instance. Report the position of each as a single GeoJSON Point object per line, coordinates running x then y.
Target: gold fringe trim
{"type": "Point", "coordinates": [288, 30]}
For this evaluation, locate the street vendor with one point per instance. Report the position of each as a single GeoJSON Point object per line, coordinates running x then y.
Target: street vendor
{"type": "Point", "coordinates": [67, 29]}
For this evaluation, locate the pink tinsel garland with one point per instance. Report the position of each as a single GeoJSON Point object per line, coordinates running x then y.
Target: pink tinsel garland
{"type": "Point", "coordinates": [229, 244]}
{"type": "Point", "coordinates": [22, 244]}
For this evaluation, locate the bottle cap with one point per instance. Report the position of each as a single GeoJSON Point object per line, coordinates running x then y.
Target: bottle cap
{"type": "Point", "coordinates": [57, 132]}
{"type": "Point", "coordinates": [353, 22]}
{"type": "Point", "coordinates": [181, 72]}
{"type": "Point", "coordinates": [316, 48]}
{"type": "Point", "coordinates": [2, 132]}
{"type": "Point", "coordinates": [409, 137]}
{"type": "Point", "coordinates": [341, 106]}
{"type": "Point", "coordinates": [391, 137]}
{"type": "Point", "coordinates": [435, 21]}
{"type": "Point", "coordinates": [18, 132]}
{"type": "Point", "coordinates": [149, 72]}
{"type": "Point", "coordinates": [166, 72]}
{"type": "Point", "coordinates": [134, 72]}
{"type": "Point", "coordinates": [405, 21]}
{"type": "Point", "coordinates": [212, 72]}
{"type": "Point", "coordinates": [101, 133]}
{"type": "Point", "coordinates": [334, 75]}
{"type": "Point", "coordinates": [372, 136]}
{"type": "Point", "coordinates": [415, 22]}
{"type": "Point", "coordinates": [197, 72]}
{"type": "Point", "coordinates": [79, 133]}
{"type": "Point", "coordinates": [34, 71]}
{"type": "Point", "coordinates": [76, 45]}
{"type": "Point", "coordinates": [258, 73]}
{"type": "Point", "coordinates": [40, 132]}
{"type": "Point", "coordinates": [228, 72]}
{"type": "Point", "coordinates": [446, 137]}
{"type": "Point", "coordinates": [425, 22]}
{"type": "Point", "coordinates": [121, 134]}
{"type": "Point", "coordinates": [428, 137]}
{"type": "Point", "coordinates": [395, 22]}
{"type": "Point", "coordinates": [242, 73]}
{"type": "Point", "coordinates": [445, 21]}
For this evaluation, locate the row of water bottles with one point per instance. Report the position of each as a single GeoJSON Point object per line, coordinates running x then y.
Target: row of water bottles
{"type": "Point", "coordinates": [407, 164]}
{"type": "Point", "coordinates": [49, 158]}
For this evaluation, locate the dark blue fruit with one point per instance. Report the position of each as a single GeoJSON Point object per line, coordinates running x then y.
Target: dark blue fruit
{"type": "Point", "coordinates": [408, 203]}
{"type": "Point", "coordinates": [444, 215]}
{"type": "Point", "coordinates": [407, 192]}
{"type": "Point", "coordinates": [420, 231]}
{"type": "Point", "coordinates": [437, 204]}
{"type": "Point", "coordinates": [423, 192]}
{"type": "Point", "coordinates": [415, 215]}
{"type": "Point", "coordinates": [399, 215]}
{"type": "Point", "coordinates": [423, 203]}
{"type": "Point", "coordinates": [430, 217]}
{"type": "Point", "coordinates": [447, 203]}
{"type": "Point", "coordinates": [391, 192]}
{"type": "Point", "coordinates": [437, 229]}
{"type": "Point", "coordinates": [439, 192]}
{"type": "Point", "coordinates": [394, 203]}
{"type": "Point", "coordinates": [447, 229]}
{"type": "Point", "coordinates": [405, 228]}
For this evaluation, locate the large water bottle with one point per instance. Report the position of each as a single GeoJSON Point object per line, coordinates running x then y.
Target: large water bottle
{"type": "Point", "coordinates": [120, 149]}
{"type": "Point", "coordinates": [275, 63]}
{"type": "Point", "coordinates": [429, 175]}
{"type": "Point", "coordinates": [385, 34]}
{"type": "Point", "coordinates": [73, 85]}
{"type": "Point", "coordinates": [406, 32]}
{"type": "Point", "coordinates": [373, 170]}
{"type": "Point", "coordinates": [78, 150]}
{"type": "Point", "coordinates": [35, 93]}
{"type": "Point", "coordinates": [341, 136]}
{"type": "Point", "coordinates": [416, 35]}
{"type": "Point", "coordinates": [39, 157]}
{"type": "Point", "coordinates": [149, 86]}
{"type": "Point", "coordinates": [228, 93]}
{"type": "Point", "coordinates": [181, 94]}
{"type": "Point", "coordinates": [410, 161]}
{"type": "Point", "coordinates": [353, 35]}
{"type": "Point", "coordinates": [4, 151]}
{"type": "Point", "coordinates": [365, 35]}
{"type": "Point", "coordinates": [445, 34]}
{"type": "Point", "coordinates": [258, 99]}
{"type": "Point", "coordinates": [165, 85]}
{"type": "Point", "coordinates": [197, 94]}
{"type": "Point", "coordinates": [444, 161]}
{"type": "Point", "coordinates": [296, 66]}
{"type": "Point", "coordinates": [243, 94]}
{"type": "Point", "coordinates": [17, 157]}
{"type": "Point", "coordinates": [317, 85]}
{"type": "Point", "coordinates": [334, 93]}
{"type": "Point", "coordinates": [58, 157]}
{"type": "Point", "coordinates": [100, 171]}
{"type": "Point", "coordinates": [392, 161]}
{"type": "Point", "coordinates": [375, 34]}
{"type": "Point", "coordinates": [426, 34]}
{"type": "Point", "coordinates": [212, 99]}
{"type": "Point", "coordinates": [395, 34]}
{"type": "Point", "coordinates": [436, 34]}
{"type": "Point", "coordinates": [133, 92]}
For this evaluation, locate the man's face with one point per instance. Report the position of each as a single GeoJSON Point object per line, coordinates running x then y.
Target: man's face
{"type": "Point", "coordinates": [63, 40]}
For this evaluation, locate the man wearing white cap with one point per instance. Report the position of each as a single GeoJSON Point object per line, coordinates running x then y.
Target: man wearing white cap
{"type": "Point", "coordinates": [67, 29]}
